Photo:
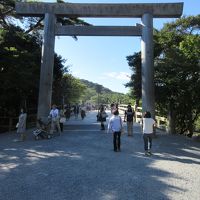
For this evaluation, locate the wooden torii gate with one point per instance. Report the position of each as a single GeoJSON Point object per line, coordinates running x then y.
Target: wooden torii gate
{"type": "Point", "coordinates": [145, 11]}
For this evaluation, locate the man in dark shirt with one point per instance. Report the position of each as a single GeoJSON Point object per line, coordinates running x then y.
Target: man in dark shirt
{"type": "Point", "coordinates": [129, 115]}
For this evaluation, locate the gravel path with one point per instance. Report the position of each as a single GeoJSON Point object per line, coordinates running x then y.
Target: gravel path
{"type": "Point", "coordinates": [81, 165]}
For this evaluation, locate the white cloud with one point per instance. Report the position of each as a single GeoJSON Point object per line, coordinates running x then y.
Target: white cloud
{"type": "Point", "coordinates": [117, 75]}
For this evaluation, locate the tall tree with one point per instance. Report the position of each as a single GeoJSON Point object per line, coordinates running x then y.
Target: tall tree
{"type": "Point", "coordinates": [20, 49]}
{"type": "Point", "coordinates": [19, 74]}
{"type": "Point", "coordinates": [134, 63]}
{"type": "Point", "coordinates": [177, 71]}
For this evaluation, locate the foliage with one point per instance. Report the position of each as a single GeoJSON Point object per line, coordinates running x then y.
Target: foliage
{"type": "Point", "coordinates": [177, 71]}
{"type": "Point", "coordinates": [73, 89]}
{"type": "Point", "coordinates": [20, 49]}
{"type": "Point", "coordinates": [106, 96]}
{"type": "Point", "coordinates": [19, 64]}
{"type": "Point", "coordinates": [197, 124]}
{"type": "Point", "coordinates": [134, 63]}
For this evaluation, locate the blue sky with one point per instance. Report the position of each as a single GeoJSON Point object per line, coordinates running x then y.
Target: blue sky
{"type": "Point", "coordinates": [102, 60]}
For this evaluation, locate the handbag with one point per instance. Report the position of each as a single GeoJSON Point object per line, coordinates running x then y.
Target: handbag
{"type": "Point", "coordinates": [99, 118]}
{"type": "Point", "coordinates": [122, 131]}
{"type": "Point", "coordinates": [104, 115]}
{"type": "Point", "coordinates": [62, 120]}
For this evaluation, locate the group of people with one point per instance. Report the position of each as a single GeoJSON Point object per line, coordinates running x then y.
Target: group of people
{"type": "Point", "coordinates": [115, 126]}
{"type": "Point", "coordinates": [56, 116]}
{"type": "Point", "coordinates": [79, 109]}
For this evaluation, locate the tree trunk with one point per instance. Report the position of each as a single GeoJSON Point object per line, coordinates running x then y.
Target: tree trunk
{"type": "Point", "coordinates": [171, 119]}
{"type": "Point", "coordinates": [137, 102]}
{"type": "Point", "coordinates": [190, 125]}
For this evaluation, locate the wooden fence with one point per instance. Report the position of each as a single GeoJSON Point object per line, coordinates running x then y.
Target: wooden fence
{"type": "Point", "coordinates": [161, 122]}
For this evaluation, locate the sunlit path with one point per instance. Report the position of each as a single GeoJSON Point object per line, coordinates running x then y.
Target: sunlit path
{"type": "Point", "coordinates": [81, 165]}
{"type": "Point", "coordinates": [89, 119]}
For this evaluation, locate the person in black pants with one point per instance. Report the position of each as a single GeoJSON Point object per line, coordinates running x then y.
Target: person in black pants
{"type": "Point", "coordinates": [102, 116]}
{"type": "Point", "coordinates": [129, 115]}
{"type": "Point", "coordinates": [117, 141]}
{"type": "Point", "coordinates": [115, 125]}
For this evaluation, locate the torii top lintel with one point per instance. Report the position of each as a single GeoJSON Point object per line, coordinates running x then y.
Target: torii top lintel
{"type": "Point", "coordinates": [127, 10]}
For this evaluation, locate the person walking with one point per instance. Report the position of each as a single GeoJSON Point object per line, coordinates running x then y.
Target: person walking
{"type": "Point", "coordinates": [67, 112]}
{"type": "Point", "coordinates": [76, 111]}
{"type": "Point", "coordinates": [115, 125]}
{"type": "Point", "coordinates": [147, 126]}
{"type": "Point", "coordinates": [83, 112]}
{"type": "Point", "coordinates": [62, 119]}
{"type": "Point", "coordinates": [129, 115]}
{"type": "Point", "coordinates": [21, 126]}
{"type": "Point", "coordinates": [54, 115]}
{"type": "Point", "coordinates": [102, 116]}
{"type": "Point", "coordinates": [112, 108]}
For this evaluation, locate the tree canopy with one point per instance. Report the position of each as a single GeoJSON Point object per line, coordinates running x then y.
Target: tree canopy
{"type": "Point", "coordinates": [20, 49]}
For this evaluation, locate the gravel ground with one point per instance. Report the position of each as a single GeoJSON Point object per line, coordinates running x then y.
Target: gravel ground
{"type": "Point", "coordinates": [81, 165]}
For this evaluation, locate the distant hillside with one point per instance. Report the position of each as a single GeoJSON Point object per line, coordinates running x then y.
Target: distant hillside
{"type": "Point", "coordinates": [94, 85]}
{"type": "Point", "coordinates": [106, 96]}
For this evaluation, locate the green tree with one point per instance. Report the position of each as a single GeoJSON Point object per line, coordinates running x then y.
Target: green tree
{"type": "Point", "coordinates": [98, 89]}
{"type": "Point", "coordinates": [134, 63]}
{"type": "Point", "coordinates": [72, 89]}
{"type": "Point", "coordinates": [20, 49]}
{"type": "Point", "coordinates": [177, 70]}
{"type": "Point", "coordinates": [19, 63]}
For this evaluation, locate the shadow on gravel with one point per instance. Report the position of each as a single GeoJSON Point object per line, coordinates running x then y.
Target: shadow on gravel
{"type": "Point", "coordinates": [80, 165]}
{"type": "Point", "coordinates": [179, 148]}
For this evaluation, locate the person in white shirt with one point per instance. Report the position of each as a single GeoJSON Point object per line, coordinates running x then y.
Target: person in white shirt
{"type": "Point", "coordinates": [54, 115]}
{"type": "Point", "coordinates": [147, 123]}
{"type": "Point", "coordinates": [115, 125]}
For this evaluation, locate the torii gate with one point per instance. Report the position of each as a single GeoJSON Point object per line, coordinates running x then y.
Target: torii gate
{"type": "Point", "coordinates": [145, 11]}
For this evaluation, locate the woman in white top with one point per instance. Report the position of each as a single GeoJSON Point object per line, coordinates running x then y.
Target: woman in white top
{"type": "Point", "coordinates": [148, 124]}
{"type": "Point", "coordinates": [115, 125]}
{"type": "Point", "coordinates": [21, 129]}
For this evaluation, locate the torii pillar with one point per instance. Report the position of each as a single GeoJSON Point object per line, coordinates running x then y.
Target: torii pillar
{"type": "Point", "coordinates": [148, 97]}
{"type": "Point", "coordinates": [47, 65]}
